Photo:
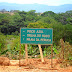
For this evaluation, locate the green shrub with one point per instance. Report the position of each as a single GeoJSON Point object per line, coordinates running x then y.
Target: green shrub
{"type": "Point", "coordinates": [2, 43]}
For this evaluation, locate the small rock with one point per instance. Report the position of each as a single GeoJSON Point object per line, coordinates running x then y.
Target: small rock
{"type": "Point", "coordinates": [4, 61]}
{"type": "Point", "coordinates": [23, 62]}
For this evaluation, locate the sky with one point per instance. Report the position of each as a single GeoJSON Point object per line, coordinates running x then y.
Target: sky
{"type": "Point", "coordinates": [45, 2]}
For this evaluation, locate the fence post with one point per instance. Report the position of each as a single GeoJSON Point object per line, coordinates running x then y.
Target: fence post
{"type": "Point", "coordinates": [62, 50]}
{"type": "Point", "coordinates": [51, 56]}
{"type": "Point", "coordinates": [19, 54]}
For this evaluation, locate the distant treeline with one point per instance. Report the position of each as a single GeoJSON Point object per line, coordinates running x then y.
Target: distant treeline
{"type": "Point", "coordinates": [61, 23]}
{"type": "Point", "coordinates": [3, 11]}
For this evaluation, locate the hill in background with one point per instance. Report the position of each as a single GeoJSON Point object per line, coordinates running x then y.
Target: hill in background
{"type": "Point", "coordinates": [38, 7]}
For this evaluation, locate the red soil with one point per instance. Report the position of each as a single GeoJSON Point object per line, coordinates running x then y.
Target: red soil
{"type": "Point", "coordinates": [34, 65]}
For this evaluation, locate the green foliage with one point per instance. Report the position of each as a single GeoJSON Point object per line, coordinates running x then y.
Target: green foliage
{"type": "Point", "coordinates": [2, 43]}
{"type": "Point", "coordinates": [0, 47]}
{"type": "Point", "coordinates": [48, 14]}
{"type": "Point", "coordinates": [13, 47]}
{"type": "Point", "coordinates": [55, 50]}
{"type": "Point", "coordinates": [48, 20]}
{"type": "Point", "coordinates": [38, 24]}
{"type": "Point", "coordinates": [68, 33]}
{"type": "Point", "coordinates": [33, 50]}
{"type": "Point", "coordinates": [47, 52]}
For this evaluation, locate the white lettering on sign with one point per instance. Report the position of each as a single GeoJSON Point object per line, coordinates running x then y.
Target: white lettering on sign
{"type": "Point", "coordinates": [46, 36]}
{"type": "Point", "coordinates": [37, 39]}
{"type": "Point", "coordinates": [38, 35]}
{"type": "Point", "coordinates": [42, 39]}
{"type": "Point", "coordinates": [39, 31]}
{"type": "Point", "coordinates": [23, 31]}
{"type": "Point", "coordinates": [28, 39]}
{"type": "Point", "coordinates": [32, 39]}
{"type": "Point", "coordinates": [31, 35]}
{"type": "Point", "coordinates": [23, 35]}
{"type": "Point", "coordinates": [23, 38]}
{"type": "Point", "coordinates": [30, 31]}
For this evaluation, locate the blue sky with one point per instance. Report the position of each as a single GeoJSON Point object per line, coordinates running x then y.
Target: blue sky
{"type": "Point", "coordinates": [46, 2]}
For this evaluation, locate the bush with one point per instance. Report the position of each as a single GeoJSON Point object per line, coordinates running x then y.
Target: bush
{"type": "Point", "coordinates": [2, 43]}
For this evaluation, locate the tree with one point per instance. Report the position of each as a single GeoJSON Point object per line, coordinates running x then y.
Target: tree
{"type": "Point", "coordinates": [68, 33]}
{"type": "Point", "coordinates": [38, 24]}
{"type": "Point", "coordinates": [32, 12]}
{"type": "Point", "coordinates": [48, 13]}
{"type": "Point", "coordinates": [3, 10]}
{"type": "Point", "coordinates": [4, 22]}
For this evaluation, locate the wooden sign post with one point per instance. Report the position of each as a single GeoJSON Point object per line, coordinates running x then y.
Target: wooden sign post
{"type": "Point", "coordinates": [42, 59]}
{"type": "Point", "coordinates": [26, 52]}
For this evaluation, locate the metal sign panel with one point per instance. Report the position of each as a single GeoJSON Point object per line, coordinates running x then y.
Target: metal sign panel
{"type": "Point", "coordinates": [36, 36]}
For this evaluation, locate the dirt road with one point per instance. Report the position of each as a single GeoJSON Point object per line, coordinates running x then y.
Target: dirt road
{"type": "Point", "coordinates": [34, 65]}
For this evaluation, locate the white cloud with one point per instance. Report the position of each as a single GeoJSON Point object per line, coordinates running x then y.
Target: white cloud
{"type": "Point", "coordinates": [47, 2]}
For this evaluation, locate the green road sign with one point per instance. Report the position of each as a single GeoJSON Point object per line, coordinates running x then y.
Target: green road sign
{"type": "Point", "coordinates": [36, 36]}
